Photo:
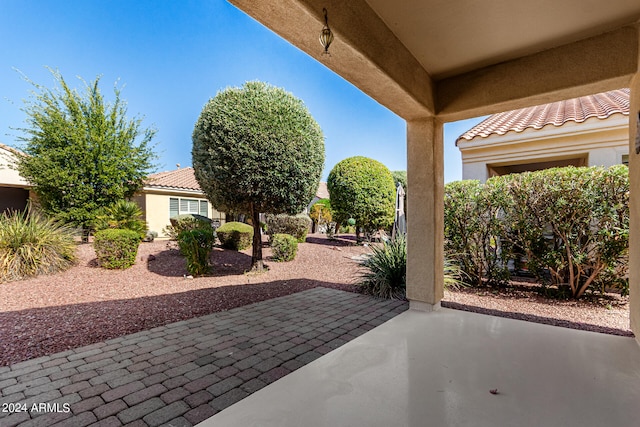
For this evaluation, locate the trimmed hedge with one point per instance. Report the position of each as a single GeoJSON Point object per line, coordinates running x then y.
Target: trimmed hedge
{"type": "Point", "coordinates": [116, 248]}
{"type": "Point", "coordinates": [296, 226]}
{"type": "Point", "coordinates": [235, 235]}
{"type": "Point", "coordinates": [570, 225]}
{"type": "Point", "coordinates": [284, 246]}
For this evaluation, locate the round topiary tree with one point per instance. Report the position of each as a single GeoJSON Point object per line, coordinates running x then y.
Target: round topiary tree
{"type": "Point", "coordinates": [362, 189]}
{"type": "Point", "coordinates": [257, 149]}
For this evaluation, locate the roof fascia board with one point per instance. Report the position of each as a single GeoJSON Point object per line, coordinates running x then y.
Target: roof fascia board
{"type": "Point", "coordinates": [589, 66]}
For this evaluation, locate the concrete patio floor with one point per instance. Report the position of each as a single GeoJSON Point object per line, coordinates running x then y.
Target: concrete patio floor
{"type": "Point", "coordinates": [182, 373]}
{"type": "Point", "coordinates": [438, 369]}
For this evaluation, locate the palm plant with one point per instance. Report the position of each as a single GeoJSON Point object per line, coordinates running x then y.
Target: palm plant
{"type": "Point", "coordinates": [31, 244]}
{"type": "Point", "coordinates": [124, 215]}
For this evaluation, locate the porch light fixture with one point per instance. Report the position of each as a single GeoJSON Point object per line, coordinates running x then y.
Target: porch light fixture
{"type": "Point", "coordinates": [326, 36]}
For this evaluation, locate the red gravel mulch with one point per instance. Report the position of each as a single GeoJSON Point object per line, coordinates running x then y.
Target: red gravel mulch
{"type": "Point", "coordinates": [88, 304]}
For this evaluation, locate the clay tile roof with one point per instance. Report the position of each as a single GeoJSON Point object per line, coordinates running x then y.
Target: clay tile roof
{"type": "Point", "coordinates": [180, 178]}
{"type": "Point", "coordinates": [11, 149]}
{"type": "Point", "coordinates": [601, 105]}
{"type": "Point", "coordinates": [323, 192]}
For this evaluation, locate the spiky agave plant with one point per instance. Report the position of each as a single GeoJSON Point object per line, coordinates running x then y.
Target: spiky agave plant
{"type": "Point", "coordinates": [385, 270]}
{"type": "Point", "coordinates": [31, 244]}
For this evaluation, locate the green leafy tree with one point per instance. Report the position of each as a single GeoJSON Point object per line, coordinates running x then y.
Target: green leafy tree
{"type": "Point", "coordinates": [400, 177]}
{"type": "Point", "coordinates": [83, 153]}
{"type": "Point", "coordinates": [362, 189]}
{"type": "Point", "coordinates": [257, 149]}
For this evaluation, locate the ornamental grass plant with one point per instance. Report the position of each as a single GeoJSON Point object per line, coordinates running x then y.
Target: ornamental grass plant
{"type": "Point", "coordinates": [385, 271]}
{"type": "Point", "coordinates": [32, 244]}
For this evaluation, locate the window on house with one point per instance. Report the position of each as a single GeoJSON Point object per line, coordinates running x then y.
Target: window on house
{"type": "Point", "coordinates": [179, 206]}
{"type": "Point", "coordinates": [625, 159]}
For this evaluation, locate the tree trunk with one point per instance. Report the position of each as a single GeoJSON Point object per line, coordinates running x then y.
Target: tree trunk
{"type": "Point", "coordinates": [256, 253]}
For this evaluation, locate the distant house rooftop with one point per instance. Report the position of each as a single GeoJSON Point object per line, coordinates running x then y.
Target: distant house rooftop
{"type": "Point", "coordinates": [601, 105]}
{"type": "Point", "coordinates": [183, 178]}
{"type": "Point", "coordinates": [11, 149]}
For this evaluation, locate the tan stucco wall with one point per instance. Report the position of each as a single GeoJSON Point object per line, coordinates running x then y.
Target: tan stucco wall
{"type": "Point", "coordinates": [155, 207]}
{"type": "Point", "coordinates": [8, 176]}
{"type": "Point", "coordinates": [601, 142]}
{"type": "Point", "coordinates": [634, 205]}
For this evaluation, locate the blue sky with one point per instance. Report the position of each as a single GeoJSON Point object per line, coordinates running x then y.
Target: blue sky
{"type": "Point", "coordinates": [170, 57]}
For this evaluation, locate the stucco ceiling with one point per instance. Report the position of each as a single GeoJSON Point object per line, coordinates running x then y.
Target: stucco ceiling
{"type": "Point", "coordinates": [449, 37]}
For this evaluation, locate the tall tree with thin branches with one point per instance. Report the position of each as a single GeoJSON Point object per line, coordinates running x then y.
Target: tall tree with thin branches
{"type": "Point", "coordinates": [82, 152]}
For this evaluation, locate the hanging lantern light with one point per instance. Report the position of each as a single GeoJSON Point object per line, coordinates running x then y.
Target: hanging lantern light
{"type": "Point", "coordinates": [326, 36]}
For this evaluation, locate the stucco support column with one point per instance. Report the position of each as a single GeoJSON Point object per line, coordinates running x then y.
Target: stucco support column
{"type": "Point", "coordinates": [425, 213]}
{"type": "Point", "coordinates": [634, 206]}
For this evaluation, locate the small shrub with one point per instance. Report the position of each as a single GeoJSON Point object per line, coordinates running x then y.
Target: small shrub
{"type": "Point", "coordinates": [235, 235]}
{"type": "Point", "coordinates": [123, 215]}
{"type": "Point", "coordinates": [196, 246]}
{"type": "Point", "coordinates": [296, 226]}
{"type": "Point", "coordinates": [116, 248]}
{"type": "Point", "coordinates": [31, 244]}
{"type": "Point", "coordinates": [385, 270]}
{"type": "Point", "coordinates": [185, 222]}
{"type": "Point", "coordinates": [284, 246]}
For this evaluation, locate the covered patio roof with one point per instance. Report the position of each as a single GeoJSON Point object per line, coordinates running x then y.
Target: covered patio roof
{"type": "Point", "coordinates": [433, 62]}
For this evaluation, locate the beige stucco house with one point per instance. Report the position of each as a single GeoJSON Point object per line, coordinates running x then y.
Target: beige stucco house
{"type": "Point", "coordinates": [591, 130]}
{"type": "Point", "coordinates": [171, 193]}
{"type": "Point", "coordinates": [14, 190]}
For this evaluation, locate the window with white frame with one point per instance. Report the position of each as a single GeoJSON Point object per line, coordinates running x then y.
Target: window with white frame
{"type": "Point", "coordinates": [179, 206]}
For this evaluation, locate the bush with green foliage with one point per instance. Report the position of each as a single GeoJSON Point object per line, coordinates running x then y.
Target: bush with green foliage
{"type": "Point", "coordinates": [570, 224]}
{"type": "Point", "coordinates": [124, 215]}
{"type": "Point", "coordinates": [185, 222]}
{"type": "Point", "coordinates": [474, 225]}
{"type": "Point", "coordinates": [284, 247]}
{"type": "Point", "coordinates": [116, 248]}
{"type": "Point", "coordinates": [573, 225]}
{"type": "Point", "coordinates": [31, 244]}
{"type": "Point", "coordinates": [294, 225]}
{"type": "Point", "coordinates": [196, 245]}
{"type": "Point", "coordinates": [235, 235]}
{"type": "Point", "coordinates": [83, 153]}
{"type": "Point", "coordinates": [257, 149]}
{"type": "Point", "coordinates": [362, 189]}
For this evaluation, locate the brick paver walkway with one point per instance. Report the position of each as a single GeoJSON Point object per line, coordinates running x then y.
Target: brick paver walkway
{"type": "Point", "coordinates": [182, 373]}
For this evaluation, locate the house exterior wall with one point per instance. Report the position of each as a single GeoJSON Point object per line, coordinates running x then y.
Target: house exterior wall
{"type": "Point", "coordinates": [8, 176]}
{"type": "Point", "coordinates": [595, 142]}
{"type": "Point", "coordinates": [14, 192]}
{"type": "Point", "coordinates": [155, 207]}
